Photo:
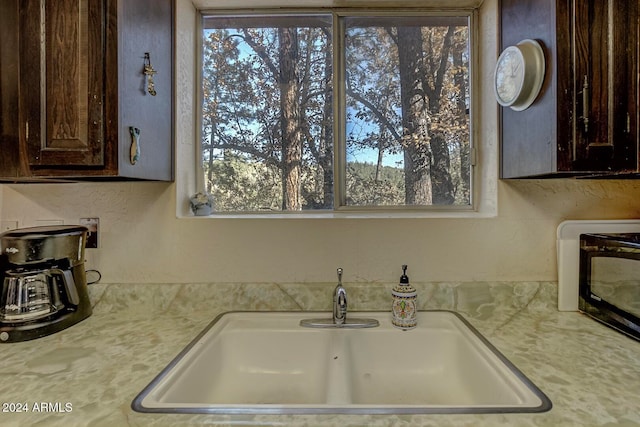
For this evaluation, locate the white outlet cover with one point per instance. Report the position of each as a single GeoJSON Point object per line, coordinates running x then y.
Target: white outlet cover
{"type": "Point", "coordinates": [568, 246]}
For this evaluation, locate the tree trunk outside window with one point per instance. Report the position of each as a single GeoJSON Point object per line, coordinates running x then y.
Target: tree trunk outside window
{"type": "Point", "coordinates": [290, 120]}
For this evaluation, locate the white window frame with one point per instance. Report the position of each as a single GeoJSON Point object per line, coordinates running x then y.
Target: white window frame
{"type": "Point", "coordinates": [483, 119]}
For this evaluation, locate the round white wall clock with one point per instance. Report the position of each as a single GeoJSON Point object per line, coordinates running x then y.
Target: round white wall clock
{"type": "Point", "coordinates": [519, 75]}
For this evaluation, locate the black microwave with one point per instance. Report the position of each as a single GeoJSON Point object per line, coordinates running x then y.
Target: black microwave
{"type": "Point", "coordinates": [609, 280]}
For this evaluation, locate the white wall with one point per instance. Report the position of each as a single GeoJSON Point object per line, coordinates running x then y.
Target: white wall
{"type": "Point", "coordinates": [142, 241]}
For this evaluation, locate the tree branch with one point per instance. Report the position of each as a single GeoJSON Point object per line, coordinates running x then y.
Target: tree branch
{"type": "Point", "coordinates": [253, 151]}
{"type": "Point", "coordinates": [381, 117]}
{"type": "Point", "coordinates": [444, 59]}
{"type": "Point", "coordinates": [259, 50]}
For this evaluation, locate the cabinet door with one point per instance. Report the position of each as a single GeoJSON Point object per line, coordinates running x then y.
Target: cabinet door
{"type": "Point", "coordinates": [10, 160]}
{"type": "Point", "coordinates": [62, 82]}
{"type": "Point", "coordinates": [537, 142]}
{"type": "Point", "coordinates": [605, 78]}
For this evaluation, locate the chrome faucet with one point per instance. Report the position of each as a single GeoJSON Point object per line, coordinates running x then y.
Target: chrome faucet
{"type": "Point", "coordinates": [339, 302]}
{"type": "Point", "coordinates": [339, 313]}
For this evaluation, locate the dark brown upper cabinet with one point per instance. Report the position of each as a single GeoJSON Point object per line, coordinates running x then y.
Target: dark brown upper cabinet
{"type": "Point", "coordinates": [73, 85]}
{"type": "Point", "coordinates": [585, 119]}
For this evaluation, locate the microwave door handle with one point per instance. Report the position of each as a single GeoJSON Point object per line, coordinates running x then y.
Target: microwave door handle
{"type": "Point", "coordinates": [70, 285]}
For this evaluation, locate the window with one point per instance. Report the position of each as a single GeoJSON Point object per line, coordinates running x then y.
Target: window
{"type": "Point", "coordinates": [340, 110]}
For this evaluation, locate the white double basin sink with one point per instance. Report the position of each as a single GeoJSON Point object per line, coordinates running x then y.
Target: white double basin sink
{"type": "Point", "coordinates": [266, 363]}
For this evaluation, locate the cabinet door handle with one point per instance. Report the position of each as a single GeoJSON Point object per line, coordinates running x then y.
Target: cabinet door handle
{"type": "Point", "coordinates": [628, 123]}
{"type": "Point", "coordinates": [585, 105]}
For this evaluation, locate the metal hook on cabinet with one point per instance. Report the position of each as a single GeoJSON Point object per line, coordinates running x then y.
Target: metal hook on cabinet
{"type": "Point", "coordinates": [134, 152]}
{"type": "Point", "coordinates": [149, 72]}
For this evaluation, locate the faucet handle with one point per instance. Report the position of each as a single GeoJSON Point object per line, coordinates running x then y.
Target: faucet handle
{"type": "Point", "coordinates": [339, 275]}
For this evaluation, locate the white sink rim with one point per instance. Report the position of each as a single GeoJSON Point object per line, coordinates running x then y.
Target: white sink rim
{"type": "Point", "coordinates": [146, 404]}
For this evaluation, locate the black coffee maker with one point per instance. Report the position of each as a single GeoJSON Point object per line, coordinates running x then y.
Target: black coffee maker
{"type": "Point", "coordinates": [44, 286]}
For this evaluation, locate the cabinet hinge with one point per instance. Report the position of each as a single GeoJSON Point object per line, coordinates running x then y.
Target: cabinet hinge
{"type": "Point", "coordinates": [473, 156]}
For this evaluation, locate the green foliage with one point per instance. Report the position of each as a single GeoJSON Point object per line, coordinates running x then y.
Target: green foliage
{"type": "Point", "coordinates": [369, 185]}
{"type": "Point", "coordinates": [242, 185]}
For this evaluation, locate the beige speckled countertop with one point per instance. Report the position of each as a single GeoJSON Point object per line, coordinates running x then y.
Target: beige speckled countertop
{"type": "Point", "coordinates": [91, 372]}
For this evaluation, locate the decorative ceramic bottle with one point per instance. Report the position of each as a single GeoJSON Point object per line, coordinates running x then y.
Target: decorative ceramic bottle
{"type": "Point", "coordinates": [405, 305]}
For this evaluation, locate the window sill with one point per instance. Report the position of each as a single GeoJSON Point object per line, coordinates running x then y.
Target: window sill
{"type": "Point", "coordinates": [351, 214]}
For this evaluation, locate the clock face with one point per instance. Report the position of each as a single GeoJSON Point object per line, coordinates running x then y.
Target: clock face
{"type": "Point", "coordinates": [519, 75]}
{"type": "Point", "coordinates": [509, 76]}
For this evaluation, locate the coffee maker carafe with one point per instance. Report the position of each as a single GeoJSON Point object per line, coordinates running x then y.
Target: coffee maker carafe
{"type": "Point", "coordinates": [44, 286]}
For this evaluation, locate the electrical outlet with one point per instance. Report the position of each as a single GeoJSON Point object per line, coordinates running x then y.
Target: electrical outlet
{"type": "Point", "coordinates": [8, 225]}
{"type": "Point", "coordinates": [93, 224]}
